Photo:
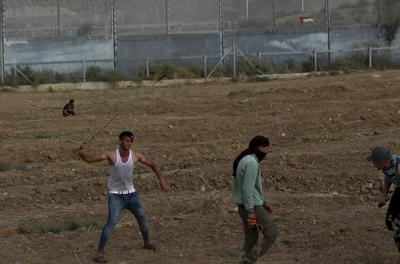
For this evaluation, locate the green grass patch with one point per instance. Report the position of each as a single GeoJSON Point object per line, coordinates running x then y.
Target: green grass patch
{"type": "Point", "coordinates": [98, 74]}
{"type": "Point", "coordinates": [19, 166]}
{"type": "Point", "coordinates": [256, 67]}
{"type": "Point", "coordinates": [37, 77]}
{"type": "Point", "coordinates": [169, 71]}
{"type": "Point", "coordinates": [71, 224]}
{"type": "Point", "coordinates": [41, 136]}
{"type": "Point", "coordinates": [92, 224]}
{"type": "Point", "coordinates": [5, 166]}
{"type": "Point", "coordinates": [356, 61]}
{"type": "Point", "coordinates": [26, 166]}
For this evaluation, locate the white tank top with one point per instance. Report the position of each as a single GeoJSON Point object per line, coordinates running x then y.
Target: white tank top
{"type": "Point", "coordinates": [121, 174]}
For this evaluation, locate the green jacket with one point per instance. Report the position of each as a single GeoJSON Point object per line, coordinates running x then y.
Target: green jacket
{"type": "Point", "coordinates": [392, 172]}
{"type": "Point", "coordinates": [247, 188]}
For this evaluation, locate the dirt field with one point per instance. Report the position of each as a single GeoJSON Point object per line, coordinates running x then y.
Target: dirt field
{"type": "Point", "coordinates": [323, 191]}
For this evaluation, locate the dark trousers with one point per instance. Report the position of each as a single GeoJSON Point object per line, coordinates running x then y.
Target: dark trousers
{"type": "Point", "coordinates": [393, 217]}
{"type": "Point", "coordinates": [251, 250]}
{"type": "Point", "coordinates": [116, 204]}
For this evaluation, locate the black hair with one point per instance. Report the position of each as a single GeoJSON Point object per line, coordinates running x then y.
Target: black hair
{"type": "Point", "coordinates": [252, 149]}
{"type": "Point", "coordinates": [126, 133]}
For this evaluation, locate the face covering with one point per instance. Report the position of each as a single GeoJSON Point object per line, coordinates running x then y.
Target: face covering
{"type": "Point", "coordinates": [252, 149]}
{"type": "Point", "coordinates": [260, 155]}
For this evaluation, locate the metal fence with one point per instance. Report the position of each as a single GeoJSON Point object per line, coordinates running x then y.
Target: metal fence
{"type": "Point", "coordinates": [38, 19]}
{"type": "Point", "coordinates": [233, 62]}
{"type": "Point", "coordinates": [56, 19]}
{"type": "Point", "coordinates": [107, 33]}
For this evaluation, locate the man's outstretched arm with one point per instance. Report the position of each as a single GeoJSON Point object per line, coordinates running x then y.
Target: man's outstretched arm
{"type": "Point", "coordinates": [153, 166]}
{"type": "Point", "coordinates": [92, 158]}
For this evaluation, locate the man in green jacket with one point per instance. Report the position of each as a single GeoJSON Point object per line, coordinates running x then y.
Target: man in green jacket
{"type": "Point", "coordinates": [252, 206]}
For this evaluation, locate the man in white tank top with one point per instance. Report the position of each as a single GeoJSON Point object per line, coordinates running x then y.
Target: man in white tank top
{"type": "Point", "coordinates": [122, 194]}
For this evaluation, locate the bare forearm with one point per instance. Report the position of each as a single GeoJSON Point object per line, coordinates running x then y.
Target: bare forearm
{"type": "Point", "coordinates": [163, 184]}
{"type": "Point", "coordinates": [153, 166]}
{"type": "Point", "coordinates": [92, 158]}
{"type": "Point", "coordinates": [86, 157]}
{"type": "Point", "coordinates": [156, 171]}
{"type": "Point", "coordinates": [386, 186]}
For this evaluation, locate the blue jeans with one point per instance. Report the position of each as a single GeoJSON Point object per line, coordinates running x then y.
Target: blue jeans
{"type": "Point", "coordinates": [116, 204]}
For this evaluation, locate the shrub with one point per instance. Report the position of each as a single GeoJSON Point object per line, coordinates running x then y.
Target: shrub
{"type": "Point", "coordinates": [97, 74]}
{"type": "Point", "coordinates": [197, 71]}
{"type": "Point", "coordinates": [162, 71]}
{"type": "Point", "coordinates": [391, 27]}
{"type": "Point", "coordinates": [308, 65]}
{"type": "Point", "coordinates": [268, 67]}
{"type": "Point", "coordinates": [72, 77]}
{"type": "Point", "coordinates": [39, 77]}
{"type": "Point", "coordinates": [244, 67]}
{"type": "Point", "coordinates": [384, 61]}
{"type": "Point", "coordinates": [15, 77]}
{"type": "Point", "coordinates": [358, 60]}
{"type": "Point", "coordinates": [222, 70]}
{"type": "Point", "coordinates": [289, 66]}
{"type": "Point", "coordinates": [183, 73]}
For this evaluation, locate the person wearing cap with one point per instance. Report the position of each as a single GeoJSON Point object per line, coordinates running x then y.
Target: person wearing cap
{"type": "Point", "coordinates": [255, 212]}
{"type": "Point", "coordinates": [121, 190]}
{"type": "Point", "coordinates": [389, 163]}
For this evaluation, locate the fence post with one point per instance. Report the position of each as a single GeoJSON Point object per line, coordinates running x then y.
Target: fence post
{"type": "Point", "coordinates": [234, 58]}
{"type": "Point", "coordinates": [166, 17]}
{"type": "Point", "coordinates": [83, 71]}
{"type": "Point", "coordinates": [147, 68]}
{"type": "Point", "coordinates": [2, 71]}
{"type": "Point", "coordinates": [14, 74]}
{"type": "Point", "coordinates": [328, 29]}
{"type": "Point", "coordinates": [2, 25]}
{"type": "Point", "coordinates": [58, 19]}
{"type": "Point", "coordinates": [369, 57]}
{"type": "Point", "coordinates": [247, 9]}
{"type": "Point", "coordinates": [315, 60]}
{"type": "Point", "coordinates": [273, 15]}
{"type": "Point", "coordinates": [114, 32]}
{"type": "Point", "coordinates": [221, 27]}
{"type": "Point", "coordinates": [205, 66]}
{"type": "Point", "coordinates": [259, 57]}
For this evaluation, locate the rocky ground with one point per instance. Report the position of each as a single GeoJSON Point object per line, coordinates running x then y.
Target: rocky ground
{"type": "Point", "coordinates": [323, 191]}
